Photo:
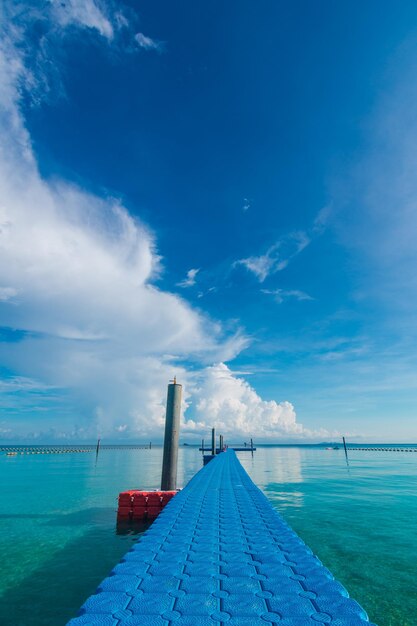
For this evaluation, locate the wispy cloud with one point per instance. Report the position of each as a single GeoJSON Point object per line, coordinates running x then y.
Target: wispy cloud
{"type": "Point", "coordinates": [282, 252]}
{"type": "Point", "coordinates": [338, 355]}
{"type": "Point", "coordinates": [201, 294]}
{"type": "Point", "coordinates": [31, 32]}
{"type": "Point", "coordinates": [190, 280]}
{"type": "Point", "coordinates": [277, 257]}
{"type": "Point", "coordinates": [377, 217]}
{"type": "Point", "coordinates": [246, 204]}
{"type": "Point", "coordinates": [147, 43]}
{"type": "Point", "coordinates": [87, 13]}
{"type": "Point", "coordinates": [20, 383]}
{"type": "Point", "coordinates": [321, 220]}
{"type": "Point", "coordinates": [7, 293]}
{"type": "Point", "coordinates": [284, 294]}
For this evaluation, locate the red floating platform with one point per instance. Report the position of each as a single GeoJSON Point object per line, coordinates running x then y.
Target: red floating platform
{"type": "Point", "coordinates": [142, 505]}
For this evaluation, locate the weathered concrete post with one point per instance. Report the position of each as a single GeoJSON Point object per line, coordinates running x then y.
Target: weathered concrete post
{"type": "Point", "coordinates": [172, 432]}
{"type": "Point", "coordinates": [213, 441]}
{"type": "Point", "coordinates": [221, 443]}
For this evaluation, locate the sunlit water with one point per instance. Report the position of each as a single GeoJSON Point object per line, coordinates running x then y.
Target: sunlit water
{"type": "Point", "coordinates": [58, 535]}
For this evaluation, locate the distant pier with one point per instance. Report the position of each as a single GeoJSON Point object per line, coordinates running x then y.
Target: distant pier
{"type": "Point", "coordinates": [235, 448]}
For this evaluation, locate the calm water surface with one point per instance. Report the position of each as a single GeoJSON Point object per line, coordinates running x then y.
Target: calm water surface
{"type": "Point", "coordinates": [58, 536]}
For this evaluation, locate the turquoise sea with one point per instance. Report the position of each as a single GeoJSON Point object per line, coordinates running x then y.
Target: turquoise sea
{"type": "Point", "coordinates": [58, 534]}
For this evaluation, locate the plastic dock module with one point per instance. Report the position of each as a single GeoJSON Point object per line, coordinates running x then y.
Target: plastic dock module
{"type": "Point", "coordinates": [141, 505]}
{"type": "Point", "coordinates": [220, 554]}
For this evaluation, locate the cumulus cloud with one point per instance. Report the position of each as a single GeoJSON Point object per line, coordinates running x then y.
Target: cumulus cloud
{"type": "Point", "coordinates": [83, 268]}
{"type": "Point", "coordinates": [78, 277]}
{"type": "Point", "coordinates": [218, 397]}
{"type": "Point", "coordinates": [97, 339]}
{"type": "Point", "coordinates": [230, 404]}
{"type": "Point", "coordinates": [190, 279]}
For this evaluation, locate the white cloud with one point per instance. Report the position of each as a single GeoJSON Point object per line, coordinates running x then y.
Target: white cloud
{"type": "Point", "coordinates": [201, 294]}
{"type": "Point", "coordinates": [232, 406]}
{"type": "Point", "coordinates": [277, 256]}
{"type": "Point", "coordinates": [262, 265]}
{"type": "Point", "coordinates": [30, 33]}
{"type": "Point", "coordinates": [83, 270]}
{"type": "Point", "coordinates": [7, 293]}
{"type": "Point", "coordinates": [190, 280]}
{"type": "Point", "coordinates": [18, 383]}
{"type": "Point", "coordinates": [282, 252]}
{"type": "Point", "coordinates": [284, 294]}
{"type": "Point", "coordinates": [321, 220]}
{"type": "Point", "coordinates": [148, 43]}
{"type": "Point", "coordinates": [77, 274]}
{"type": "Point", "coordinates": [87, 13]}
{"type": "Point", "coordinates": [246, 204]}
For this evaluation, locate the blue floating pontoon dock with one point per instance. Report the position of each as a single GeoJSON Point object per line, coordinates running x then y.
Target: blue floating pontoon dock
{"type": "Point", "coordinates": [220, 554]}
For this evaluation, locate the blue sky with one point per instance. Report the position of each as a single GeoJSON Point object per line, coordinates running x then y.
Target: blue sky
{"type": "Point", "coordinates": [222, 191]}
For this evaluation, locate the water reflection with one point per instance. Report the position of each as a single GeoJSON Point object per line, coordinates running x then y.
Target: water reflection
{"type": "Point", "coordinates": [131, 527]}
{"type": "Point", "coordinates": [59, 539]}
{"type": "Point", "coordinates": [286, 499]}
{"type": "Point", "coordinates": [276, 471]}
{"type": "Point", "coordinates": [278, 465]}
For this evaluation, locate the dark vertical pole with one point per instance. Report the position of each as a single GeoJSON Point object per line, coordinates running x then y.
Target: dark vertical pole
{"type": "Point", "coordinates": [150, 445]}
{"type": "Point", "coordinates": [213, 441]}
{"type": "Point", "coordinates": [97, 450]}
{"type": "Point", "coordinates": [221, 443]}
{"type": "Point", "coordinates": [202, 446]}
{"type": "Point", "coordinates": [172, 433]}
{"type": "Point", "coordinates": [346, 454]}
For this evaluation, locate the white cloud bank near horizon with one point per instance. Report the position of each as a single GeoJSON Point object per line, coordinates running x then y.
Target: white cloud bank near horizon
{"type": "Point", "coordinates": [231, 405]}
{"type": "Point", "coordinates": [76, 274]}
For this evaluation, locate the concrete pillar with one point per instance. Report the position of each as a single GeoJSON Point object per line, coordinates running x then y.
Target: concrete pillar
{"type": "Point", "coordinates": [172, 432]}
{"type": "Point", "coordinates": [221, 445]}
{"type": "Point", "coordinates": [213, 441]}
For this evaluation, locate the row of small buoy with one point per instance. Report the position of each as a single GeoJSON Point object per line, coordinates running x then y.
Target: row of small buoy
{"type": "Point", "coordinates": [19, 450]}
{"type": "Point", "coordinates": [384, 449]}
{"type": "Point", "coordinates": [123, 447]}
{"type": "Point", "coordinates": [25, 452]}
